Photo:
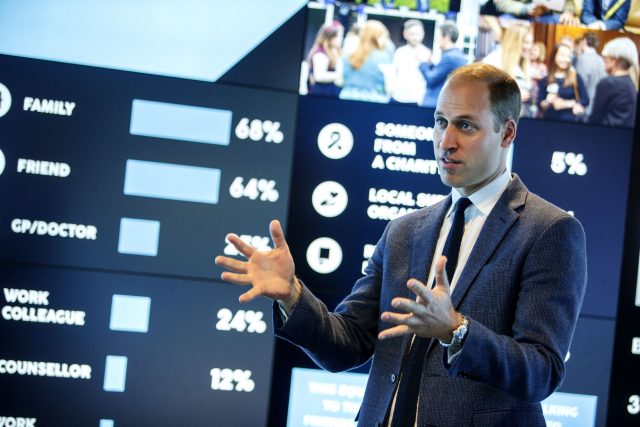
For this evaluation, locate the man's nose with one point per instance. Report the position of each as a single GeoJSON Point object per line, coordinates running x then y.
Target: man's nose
{"type": "Point", "coordinates": [449, 140]}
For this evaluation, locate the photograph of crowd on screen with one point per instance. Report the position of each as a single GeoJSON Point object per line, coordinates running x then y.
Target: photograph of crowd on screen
{"type": "Point", "coordinates": [377, 54]}
{"type": "Point", "coordinates": [565, 73]}
{"type": "Point", "coordinates": [568, 73]}
{"type": "Point", "coordinates": [605, 15]}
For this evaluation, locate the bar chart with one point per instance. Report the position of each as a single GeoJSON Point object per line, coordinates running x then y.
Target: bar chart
{"type": "Point", "coordinates": [150, 165]}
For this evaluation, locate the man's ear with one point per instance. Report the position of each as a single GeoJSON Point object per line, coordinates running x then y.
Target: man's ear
{"type": "Point", "coordinates": [509, 133]}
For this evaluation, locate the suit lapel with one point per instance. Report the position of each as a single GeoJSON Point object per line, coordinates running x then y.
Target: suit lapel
{"type": "Point", "coordinates": [424, 241]}
{"type": "Point", "coordinates": [425, 238]}
{"type": "Point", "coordinates": [498, 223]}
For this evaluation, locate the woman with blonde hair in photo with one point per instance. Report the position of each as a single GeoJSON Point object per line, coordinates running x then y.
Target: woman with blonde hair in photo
{"type": "Point", "coordinates": [513, 55]}
{"type": "Point", "coordinates": [616, 95]}
{"type": "Point", "coordinates": [538, 68]}
{"type": "Point", "coordinates": [365, 68]}
{"type": "Point", "coordinates": [324, 59]}
{"type": "Point", "coordinates": [563, 94]}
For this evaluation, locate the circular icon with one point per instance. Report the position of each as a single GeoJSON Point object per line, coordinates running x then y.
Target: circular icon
{"type": "Point", "coordinates": [329, 199]}
{"type": "Point", "coordinates": [335, 141]}
{"type": "Point", "coordinates": [5, 100]}
{"type": "Point", "coordinates": [2, 162]}
{"type": "Point", "coordinates": [324, 255]}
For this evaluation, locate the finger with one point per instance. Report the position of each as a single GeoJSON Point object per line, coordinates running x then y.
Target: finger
{"type": "Point", "coordinates": [241, 246]}
{"type": "Point", "coordinates": [276, 234]}
{"type": "Point", "coordinates": [249, 295]}
{"type": "Point", "coordinates": [441, 274]}
{"type": "Point", "coordinates": [407, 305]}
{"type": "Point", "coordinates": [419, 289]}
{"type": "Point", "coordinates": [395, 318]}
{"type": "Point", "coordinates": [396, 331]}
{"type": "Point", "coordinates": [231, 264]}
{"type": "Point", "coordinates": [236, 278]}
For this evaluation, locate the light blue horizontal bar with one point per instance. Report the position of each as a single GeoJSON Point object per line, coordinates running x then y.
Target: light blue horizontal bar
{"type": "Point", "coordinates": [115, 373]}
{"type": "Point", "coordinates": [182, 122]}
{"type": "Point", "coordinates": [106, 423]}
{"type": "Point", "coordinates": [171, 181]}
{"type": "Point", "coordinates": [129, 313]}
{"type": "Point", "coordinates": [139, 236]}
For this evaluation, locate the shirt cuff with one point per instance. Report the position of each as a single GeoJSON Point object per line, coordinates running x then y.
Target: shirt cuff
{"type": "Point", "coordinates": [452, 354]}
{"type": "Point", "coordinates": [283, 312]}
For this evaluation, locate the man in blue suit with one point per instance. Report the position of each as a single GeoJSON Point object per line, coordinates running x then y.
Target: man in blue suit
{"type": "Point", "coordinates": [605, 14]}
{"type": "Point", "coordinates": [498, 328]}
{"type": "Point", "coordinates": [452, 58]}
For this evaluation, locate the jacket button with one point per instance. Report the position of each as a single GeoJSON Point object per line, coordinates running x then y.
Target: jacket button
{"type": "Point", "coordinates": [393, 378]}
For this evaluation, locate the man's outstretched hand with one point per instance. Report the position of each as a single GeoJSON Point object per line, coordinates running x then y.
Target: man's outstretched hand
{"type": "Point", "coordinates": [430, 315]}
{"type": "Point", "coordinates": [270, 273]}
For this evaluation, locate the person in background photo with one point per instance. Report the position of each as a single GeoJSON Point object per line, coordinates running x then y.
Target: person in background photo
{"type": "Point", "coordinates": [538, 67]}
{"type": "Point", "coordinates": [536, 11]}
{"type": "Point", "coordinates": [616, 95]}
{"type": "Point", "coordinates": [605, 14]}
{"type": "Point", "coordinates": [589, 65]}
{"type": "Point", "coordinates": [451, 58]}
{"type": "Point", "coordinates": [570, 42]}
{"type": "Point", "coordinates": [513, 55]}
{"type": "Point", "coordinates": [410, 85]}
{"type": "Point", "coordinates": [364, 78]}
{"type": "Point", "coordinates": [563, 95]}
{"type": "Point", "coordinates": [537, 71]}
{"type": "Point", "coordinates": [351, 40]}
{"type": "Point", "coordinates": [325, 62]}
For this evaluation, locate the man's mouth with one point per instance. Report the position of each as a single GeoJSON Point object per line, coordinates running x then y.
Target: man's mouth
{"type": "Point", "coordinates": [449, 161]}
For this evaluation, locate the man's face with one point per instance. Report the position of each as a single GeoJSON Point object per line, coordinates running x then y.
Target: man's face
{"type": "Point", "coordinates": [609, 64]}
{"type": "Point", "coordinates": [564, 55]}
{"type": "Point", "coordinates": [414, 35]}
{"type": "Point", "coordinates": [469, 151]}
{"type": "Point", "coordinates": [443, 41]}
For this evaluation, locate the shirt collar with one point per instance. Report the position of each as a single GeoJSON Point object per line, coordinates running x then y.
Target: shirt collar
{"type": "Point", "coordinates": [485, 198]}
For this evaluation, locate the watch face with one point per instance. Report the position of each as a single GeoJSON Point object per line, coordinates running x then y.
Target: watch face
{"type": "Point", "coordinates": [461, 331]}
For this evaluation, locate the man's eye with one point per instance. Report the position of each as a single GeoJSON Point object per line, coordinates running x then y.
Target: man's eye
{"type": "Point", "coordinates": [440, 121]}
{"type": "Point", "coordinates": [466, 126]}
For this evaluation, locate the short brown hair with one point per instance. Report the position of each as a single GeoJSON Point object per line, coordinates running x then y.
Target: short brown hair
{"type": "Point", "coordinates": [504, 93]}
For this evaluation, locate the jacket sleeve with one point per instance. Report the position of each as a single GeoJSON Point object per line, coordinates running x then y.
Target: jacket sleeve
{"type": "Point", "coordinates": [618, 19]}
{"type": "Point", "coordinates": [529, 363]}
{"type": "Point", "coordinates": [345, 338]}
{"type": "Point", "coordinates": [587, 16]}
{"type": "Point", "coordinates": [582, 90]}
{"type": "Point", "coordinates": [542, 91]}
{"type": "Point", "coordinates": [436, 74]}
{"type": "Point", "coordinates": [600, 102]}
{"type": "Point", "coordinates": [512, 7]}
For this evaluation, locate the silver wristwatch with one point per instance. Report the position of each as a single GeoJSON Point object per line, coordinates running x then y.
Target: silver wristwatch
{"type": "Point", "coordinates": [458, 334]}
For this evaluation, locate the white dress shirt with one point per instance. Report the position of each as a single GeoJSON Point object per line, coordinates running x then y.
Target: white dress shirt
{"type": "Point", "coordinates": [475, 216]}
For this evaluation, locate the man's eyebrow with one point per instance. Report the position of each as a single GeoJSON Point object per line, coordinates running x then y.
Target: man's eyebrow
{"type": "Point", "coordinates": [464, 117]}
{"type": "Point", "coordinates": [461, 117]}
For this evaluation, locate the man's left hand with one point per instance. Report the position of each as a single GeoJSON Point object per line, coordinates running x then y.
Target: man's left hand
{"type": "Point", "coordinates": [430, 315]}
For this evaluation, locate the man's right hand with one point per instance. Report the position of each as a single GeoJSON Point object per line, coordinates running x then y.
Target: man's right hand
{"type": "Point", "coordinates": [270, 273]}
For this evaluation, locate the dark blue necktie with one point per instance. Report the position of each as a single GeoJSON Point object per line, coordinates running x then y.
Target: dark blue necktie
{"type": "Point", "coordinates": [452, 245]}
{"type": "Point", "coordinates": [404, 413]}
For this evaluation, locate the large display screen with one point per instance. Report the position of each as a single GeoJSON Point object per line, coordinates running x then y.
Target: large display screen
{"type": "Point", "coordinates": [135, 136]}
{"type": "Point", "coordinates": [124, 165]}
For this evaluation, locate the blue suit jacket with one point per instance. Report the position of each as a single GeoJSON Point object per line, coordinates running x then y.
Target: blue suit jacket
{"type": "Point", "coordinates": [592, 10]}
{"type": "Point", "coordinates": [522, 288]}
{"type": "Point", "coordinates": [436, 74]}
